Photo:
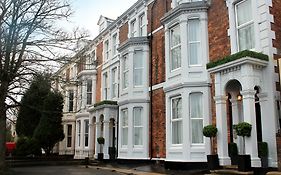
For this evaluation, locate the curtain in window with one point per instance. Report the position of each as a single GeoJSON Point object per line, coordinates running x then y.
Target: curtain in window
{"type": "Point", "coordinates": [196, 115]}
{"type": "Point", "coordinates": [245, 25]}
{"type": "Point", "coordinates": [125, 127]}
{"type": "Point", "coordinates": [138, 126]}
{"type": "Point", "coordinates": [194, 41]}
{"type": "Point", "coordinates": [138, 68]}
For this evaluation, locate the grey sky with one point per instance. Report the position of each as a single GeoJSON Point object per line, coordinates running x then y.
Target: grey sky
{"type": "Point", "coordinates": [87, 12]}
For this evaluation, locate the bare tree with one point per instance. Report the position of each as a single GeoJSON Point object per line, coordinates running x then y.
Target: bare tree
{"type": "Point", "coordinates": [28, 38]}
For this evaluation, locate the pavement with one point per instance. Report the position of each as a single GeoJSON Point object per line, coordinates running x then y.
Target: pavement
{"type": "Point", "coordinates": [101, 169]}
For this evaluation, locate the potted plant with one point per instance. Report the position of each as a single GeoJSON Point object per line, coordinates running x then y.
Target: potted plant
{"type": "Point", "coordinates": [101, 142]}
{"type": "Point", "coordinates": [244, 161]}
{"type": "Point", "coordinates": [263, 154]}
{"type": "Point", "coordinates": [233, 153]}
{"type": "Point", "coordinates": [213, 159]}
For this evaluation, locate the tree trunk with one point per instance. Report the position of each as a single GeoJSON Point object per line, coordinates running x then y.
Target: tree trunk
{"type": "Point", "coordinates": [3, 91]}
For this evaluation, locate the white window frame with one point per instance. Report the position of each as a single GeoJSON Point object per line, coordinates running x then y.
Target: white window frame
{"type": "Point", "coordinates": [79, 133]}
{"type": "Point", "coordinates": [86, 133]}
{"type": "Point", "coordinates": [114, 44]}
{"type": "Point", "coordinates": [125, 126]}
{"type": "Point", "coordinates": [69, 135]}
{"type": "Point", "coordinates": [136, 126]}
{"type": "Point", "coordinates": [133, 28]}
{"type": "Point", "coordinates": [238, 27]}
{"type": "Point", "coordinates": [89, 92]}
{"type": "Point", "coordinates": [176, 120]}
{"type": "Point", "coordinates": [125, 71]}
{"type": "Point", "coordinates": [173, 48]}
{"type": "Point", "coordinates": [114, 82]}
{"type": "Point", "coordinates": [105, 86]}
{"type": "Point", "coordinates": [71, 100]}
{"type": "Point", "coordinates": [138, 68]}
{"type": "Point", "coordinates": [196, 118]}
{"type": "Point", "coordinates": [142, 25]}
{"type": "Point", "coordinates": [106, 50]}
{"type": "Point", "coordinates": [189, 43]}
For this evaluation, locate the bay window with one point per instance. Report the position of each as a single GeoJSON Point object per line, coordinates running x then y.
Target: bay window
{"type": "Point", "coordinates": [245, 25]}
{"type": "Point", "coordinates": [69, 135]}
{"type": "Point", "coordinates": [176, 120]}
{"type": "Point", "coordinates": [196, 117]}
{"type": "Point", "coordinates": [175, 47]}
{"type": "Point", "coordinates": [79, 133]}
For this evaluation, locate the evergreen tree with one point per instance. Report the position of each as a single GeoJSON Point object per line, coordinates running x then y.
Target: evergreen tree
{"type": "Point", "coordinates": [50, 130]}
{"type": "Point", "coordinates": [31, 105]}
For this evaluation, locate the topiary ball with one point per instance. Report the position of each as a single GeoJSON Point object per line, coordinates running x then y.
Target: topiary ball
{"type": "Point", "coordinates": [210, 131]}
{"type": "Point", "coordinates": [243, 129]}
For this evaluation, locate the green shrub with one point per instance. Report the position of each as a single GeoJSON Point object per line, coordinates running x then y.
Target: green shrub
{"type": "Point", "coordinates": [236, 56]}
{"type": "Point", "coordinates": [232, 149]}
{"type": "Point", "coordinates": [27, 146]}
{"type": "Point", "coordinates": [210, 131]}
{"type": "Point", "coordinates": [243, 129]}
{"type": "Point", "coordinates": [262, 149]}
{"type": "Point", "coordinates": [100, 140]}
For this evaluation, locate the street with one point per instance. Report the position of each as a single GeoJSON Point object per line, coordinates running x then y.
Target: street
{"type": "Point", "coordinates": [61, 170]}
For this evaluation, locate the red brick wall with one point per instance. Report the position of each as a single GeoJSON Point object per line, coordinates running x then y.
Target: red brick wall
{"type": "Point", "coordinates": [159, 124]}
{"type": "Point", "coordinates": [159, 10]}
{"type": "Point", "coordinates": [99, 63]}
{"type": "Point", "coordinates": [276, 26]}
{"type": "Point", "coordinates": [123, 33]}
{"type": "Point", "coordinates": [158, 57]}
{"type": "Point", "coordinates": [158, 76]}
{"type": "Point", "coordinates": [218, 23]}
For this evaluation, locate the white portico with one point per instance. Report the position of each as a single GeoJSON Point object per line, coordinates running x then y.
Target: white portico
{"type": "Point", "coordinates": [240, 89]}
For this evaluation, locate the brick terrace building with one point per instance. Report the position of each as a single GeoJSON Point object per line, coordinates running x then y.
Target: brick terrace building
{"type": "Point", "coordinates": [144, 86]}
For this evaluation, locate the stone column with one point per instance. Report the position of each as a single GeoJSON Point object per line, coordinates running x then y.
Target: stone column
{"type": "Point", "coordinates": [251, 145]}
{"type": "Point", "coordinates": [91, 137]}
{"type": "Point", "coordinates": [106, 137]}
{"type": "Point", "coordinates": [221, 122]}
{"type": "Point", "coordinates": [97, 146]}
{"type": "Point", "coordinates": [236, 120]}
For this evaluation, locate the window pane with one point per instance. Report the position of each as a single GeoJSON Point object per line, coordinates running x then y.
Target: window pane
{"type": "Point", "coordinates": [176, 108]}
{"type": "Point", "coordinates": [175, 36]}
{"type": "Point", "coordinates": [246, 37]}
{"type": "Point", "coordinates": [138, 67]}
{"type": "Point", "coordinates": [125, 136]}
{"type": "Point", "coordinates": [244, 12]}
{"type": "Point", "coordinates": [138, 136]}
{"type": "Point", "coordinates": [193, 41]}
{"type": "Point", "coordinates": [177, 132]}
{"type": "Point", "coordinates": [196, 105]}
{"type": "Point", "coordinates": [70, 100]}
{"type": "Point", "coordinates": [176, 57]}
{"type": "Point", "coordinates": [193, 30]}
{"type": "Point", "coordinates": [137, 116]}
{"type": "Point", "coordinates": [194, 53]}
{"type": "Point", "coordinates": [197, 130]}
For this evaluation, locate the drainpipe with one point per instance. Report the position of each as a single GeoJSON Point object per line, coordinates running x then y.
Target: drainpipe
{"type": "Point", "coordinates": [150, 37]}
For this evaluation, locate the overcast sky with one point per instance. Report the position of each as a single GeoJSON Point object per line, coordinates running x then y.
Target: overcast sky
{"type": "Point", "coordinates": [87, 12]}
